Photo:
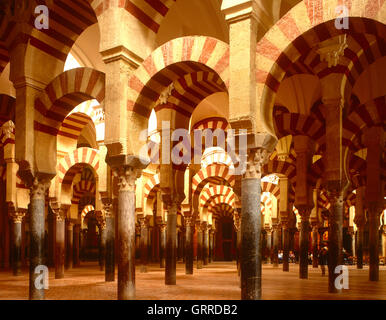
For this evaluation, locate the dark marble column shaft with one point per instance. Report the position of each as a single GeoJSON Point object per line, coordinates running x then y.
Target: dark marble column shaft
{"type": "Point", "coordinates": [60, 245]}
{"type": "Point", "coordinates": [110, 245]}
{"type": "Point", "coordinates": [171, 245]}
{"type": "Point", "coordinates": [189, 245]}
{"type": "Point", "coordinates": [69, 246]}
{"type": "Point", "coordinates": [205, 244]}
{"type": "Point", "coordinates": [144, 244]}
{"type": "Point", "coordinates": [250, 262]}
{"type": "Point", "coordinates": [374, 224]}
{"type": "Point", "coordinates": [315, 250]}
{"type": "Point", "coordinates": [76, 240]}
{"type": "Point", "coordinates": [162, 243]}
{"type": "Point", "coordinates": [36, 226]}
{"type": "Point", "coordinates": [200, 262]}
{"type": "Point", "coordinates": [126, 232]}
{"type": "Point", "coordinates": [286, 245]}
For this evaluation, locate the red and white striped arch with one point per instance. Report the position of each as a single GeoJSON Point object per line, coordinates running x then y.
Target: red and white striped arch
{"type": "Point", "coordinates": [86, 210]}
{"type": "Point", "coordinates": [281, 167]}
{"type": "Point", "coordinates": [223, 193]}
{"type": "Point", "coordinates": [152, 186]}
{"type": "Point", "coordinates": [149, 13]}
{"type": "Point", "coordinates": [211, 123]}
{"type": "Point", "coordinates": [72, 162]}
{"type": "Point", "coordinates": [267, 201]}
{"type": "Point", "coordinates": [68, 19]}
{"type": "Point", "coordinates": [372, 113]}
{"type": "Point", "coordinates": [64, 93]}
{"type": "Point", "coordinates": [272, 188]}
{"type": "Point", "coordinates": [173, 61]}
{"type": "Point", "coordinates": [299, 30]}
{"type": "Point", "coordinates": [222, 210]}
{"type": "Point", "coordinates": [81, 188]}
{"type": "Point", "coordinates": [190, 90]}
{"type": "Point", "coordinates": [299, 124]}
{"type": "Point", "coordinates": [215, 173]}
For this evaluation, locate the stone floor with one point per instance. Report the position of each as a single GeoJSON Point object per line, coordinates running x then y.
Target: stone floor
{"type": "Point", "coordinates": [217, 281]}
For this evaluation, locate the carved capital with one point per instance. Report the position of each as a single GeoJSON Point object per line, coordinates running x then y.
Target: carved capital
{"type": "Point", "coordinates": [17, 216]}
{"type": "Point", "coordinates": [107, 210]}
{"type": "Point", "coordinates": [60, 214]}
{"type": "Point", "coordinates": [127, 176]}
{"type": "Point", "coordinates": [256, 159]}
{"type": "Point", "coordinates": [102, 224]}
{"type": "Point", "coordinates": [144, 223]}
{"type": "Point", "coordinates": [162, 227]}
{"type": "Point", "coordinates": [188, 221]}
{"type": "Point", "coordinates": [39, 188]}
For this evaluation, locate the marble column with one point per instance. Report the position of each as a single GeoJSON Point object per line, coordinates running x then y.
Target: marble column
{"type": "Point", "coordinates": [359, 220]}
{"type": "Point", "coordinates": [315, 250]}
{"type": "Point", "coordinates": [286, 244]}
{"type": "Point", "coordinates": [162, 252]}
{"type": "Point", "coordinates": [171, 244]}
{"type": "Point", "coordinates": [127, 176]}
{"type": "Point", "coordinates": [60, 245]}
{"type": "Point", "coordinates": [144, 245]}
{"type": "Point", "coordinates": [102, 244]}
{"type": "Point", "coordinates": [304, 241]}
{"type": "Point", "coordinates": [36, 228]}
{"type": "Point", "coordinates": [359, 250]}
{"type": "Point", "coordinates": [110, 242]}
{"type": "Point", "coordinates": [335, 232]}
{"type": "Point", "coordinates": [269, 244]}
{"type": "Point", "coordinates": [51, 239]}
{"type": "Point", "coordinates": [189, 245]}
{"type": "Point", "coordinates": [374, 210]}
{"type": "Point", "coordinates": [275, 245]}
{"type": "Point", "coordinates": [199, 245]}
{"type": "Point", "coordinates": [76, 245]}
{"type": "Point", "coordinates": [69, 246]}
{"type": "Point", "coordinates": [205, 244]}
{"type": "Point", "coordinates": [16, 218]}
{"type": "Point", "coordinates": [210, 245]}
{"type": "Point", "coordinates": [384, 241]}
{"type": "Point", "coordinates": [251, 225]}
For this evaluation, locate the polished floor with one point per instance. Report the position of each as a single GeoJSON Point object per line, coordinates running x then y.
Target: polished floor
{"type": "Point", "coordinates": [218, 280]}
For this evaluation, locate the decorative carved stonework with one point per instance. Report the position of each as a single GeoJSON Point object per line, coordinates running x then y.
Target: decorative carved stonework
{"type": "Point", "coordinates": [162, 227]}
{"type": "Point", "coordinates": [39, 188]}
{"type": "Point", "coordinates": [8, 130]}
{"type": "Point", "coordinates": [102, 224]}
{"type": "Point", "coordinates": [164, 96]}
{"type": "Point", "coordinates": [107, 210]}
{"type": "Point", "coordinates": [17, 216]}
{"type": "Point", "coordinates": [188, 221]}
{"type": "Point", "coordinates": [332, 50]}
{"type": "Point", "coordinates": [255, 162]}
{"type": "Point", "coordinates": [60, 214]}
{"type": "Point", "coordinates": [144, 223]}
{"type": "Point", "coordinates": [127, 177]}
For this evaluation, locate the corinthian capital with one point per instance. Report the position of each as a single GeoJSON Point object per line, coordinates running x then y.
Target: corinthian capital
{"type": "Point", "coordinates": [127, 176]}
{"type": "Point", "coordinates": [17, 215]}
{"type": "Point", "coordinates": [39, 188]}
{"type": "Point", "coordinates": [257, 158]}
